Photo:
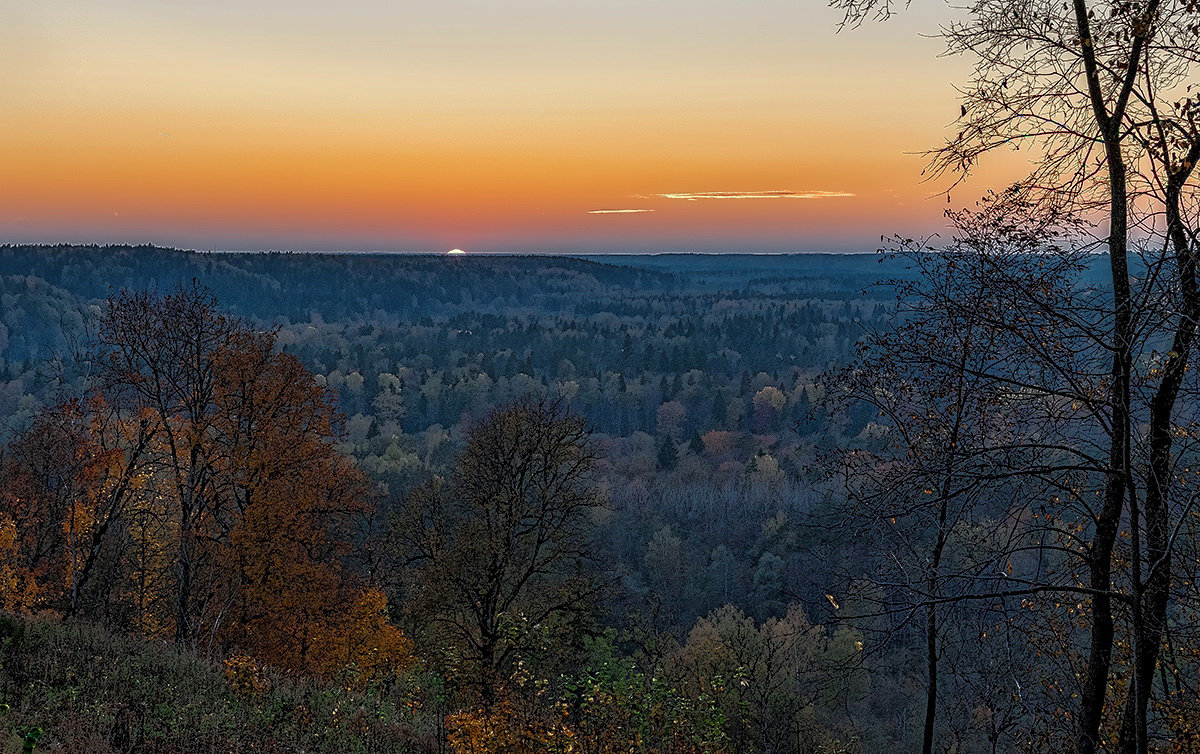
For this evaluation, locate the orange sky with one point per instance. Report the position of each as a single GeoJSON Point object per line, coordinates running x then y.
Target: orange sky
{"type": "Point", "coordinates": [486, 125]}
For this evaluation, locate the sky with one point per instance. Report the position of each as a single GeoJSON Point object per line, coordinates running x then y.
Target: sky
{"type": "Point", "coordinates": [486, 125]}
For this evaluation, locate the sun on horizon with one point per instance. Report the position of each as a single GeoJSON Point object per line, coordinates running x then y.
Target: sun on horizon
{"type": "Point", "coordinates": [455, 252]}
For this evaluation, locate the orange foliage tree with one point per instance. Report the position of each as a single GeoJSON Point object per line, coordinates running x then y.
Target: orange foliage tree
{"type": "Point", "coordinates": [200, 494]}
{"type": "Point", "coordinates": [66, 481]}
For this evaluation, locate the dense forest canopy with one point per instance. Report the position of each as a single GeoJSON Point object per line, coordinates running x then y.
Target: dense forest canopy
{"type": "Point", "coordinates": [939, 500]}
{"type": "Point", "coordinates": [666, 503]}
{"type": "Point", "coordinates": [697, 380]}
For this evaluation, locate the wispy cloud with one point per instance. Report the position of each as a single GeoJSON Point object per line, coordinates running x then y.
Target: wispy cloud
{"type": "Point", "coordinates": [617, 211]}
{"type": "Point", "coordinates": [697, 195]}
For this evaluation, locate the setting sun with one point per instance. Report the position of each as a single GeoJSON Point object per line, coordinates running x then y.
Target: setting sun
{"type": "Point", "coordinates": [741, 432]}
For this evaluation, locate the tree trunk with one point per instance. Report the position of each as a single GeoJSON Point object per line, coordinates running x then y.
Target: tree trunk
{"type": "Point", "coordinates": [1156, 591]}
{"type": "Point", "coordinates": [1099, 665]}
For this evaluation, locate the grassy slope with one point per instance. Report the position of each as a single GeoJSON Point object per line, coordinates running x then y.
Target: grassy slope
{"type": "Point", "coordinates": [94, 691]}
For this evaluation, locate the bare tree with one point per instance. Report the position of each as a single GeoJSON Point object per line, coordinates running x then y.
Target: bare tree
{"type": "Point", "coordinates": [1095, 90]}
{"type": "Point", "coordinates": [159, 356]}
{"type": "Point", "coordinates": [500, 548]}
{"type": "Point", "coordinates": [969, 380]}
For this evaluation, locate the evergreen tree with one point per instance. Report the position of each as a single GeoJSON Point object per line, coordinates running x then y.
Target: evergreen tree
{"type": "Point", "coordinates": [720, 408]}
{"type": "Point", "coordinates": [668, 454]}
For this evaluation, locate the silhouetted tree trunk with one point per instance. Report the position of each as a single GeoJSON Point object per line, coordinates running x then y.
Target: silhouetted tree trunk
{"type": "Point", "coordinates": [1085, 85]}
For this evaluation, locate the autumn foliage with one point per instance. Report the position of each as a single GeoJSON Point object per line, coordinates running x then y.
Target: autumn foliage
{"type": "Point", "coordinates": [196, 494]}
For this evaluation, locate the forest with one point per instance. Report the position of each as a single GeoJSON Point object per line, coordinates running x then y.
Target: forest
{"type": "Point", "coordinates": [295, 490]}
{"type": "Point", "coordinates": [695, 555]}
{"type": "Point", "coordinates": [939, 499]}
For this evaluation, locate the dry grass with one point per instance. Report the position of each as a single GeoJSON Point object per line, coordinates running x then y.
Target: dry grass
{"type": "Point", "coordinates": [94, 691]}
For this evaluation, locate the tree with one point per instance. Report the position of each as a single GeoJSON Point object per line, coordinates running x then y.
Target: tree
{"type": "Point", "coordinates": [499, 549]}
{"type": "Point", "coordinates": [159, 355]}
{"type": "Point", "coordinates": [669, 419]}
{"type": "Point", "coordinates": [66, 482]}
{"type": "Point", "coordinates": [1090, 87]}
{"type": "Point", "coordinates": [768, 403]}
{"type": "Point", "coordinates": [197, 492]}
{"type": "Point", "coordinates": [287, 495]}
{"type": "Point", "coordinates": [766, 677]}
{"type": "Point", "coordinates": [668, 454]}
{"type": "Point", "coordinates": [928, 495]}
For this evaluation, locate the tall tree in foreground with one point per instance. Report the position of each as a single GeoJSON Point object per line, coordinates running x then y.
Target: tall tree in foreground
{"type": "Point", "coordinates": [1097, 92]}
{"type": "Point", "coordinates": [499, 549]}
{"type": "Point", "coordinates": [159, 357]}
{"type": "Point", "coordinates": [982, 381]}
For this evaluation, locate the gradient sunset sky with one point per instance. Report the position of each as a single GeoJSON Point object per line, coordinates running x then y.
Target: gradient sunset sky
{"type": "Point", "coordinates": [489, 125]}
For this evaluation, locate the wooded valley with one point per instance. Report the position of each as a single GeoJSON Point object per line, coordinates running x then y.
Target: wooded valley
{"type": "Point", "coordinates": [542, 504]}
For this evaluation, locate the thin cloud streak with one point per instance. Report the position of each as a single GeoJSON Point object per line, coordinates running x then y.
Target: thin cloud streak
{"type": "Point", "coordinates": [617, 211]}
{"type": "Point", "coordinates": [697, 195]}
